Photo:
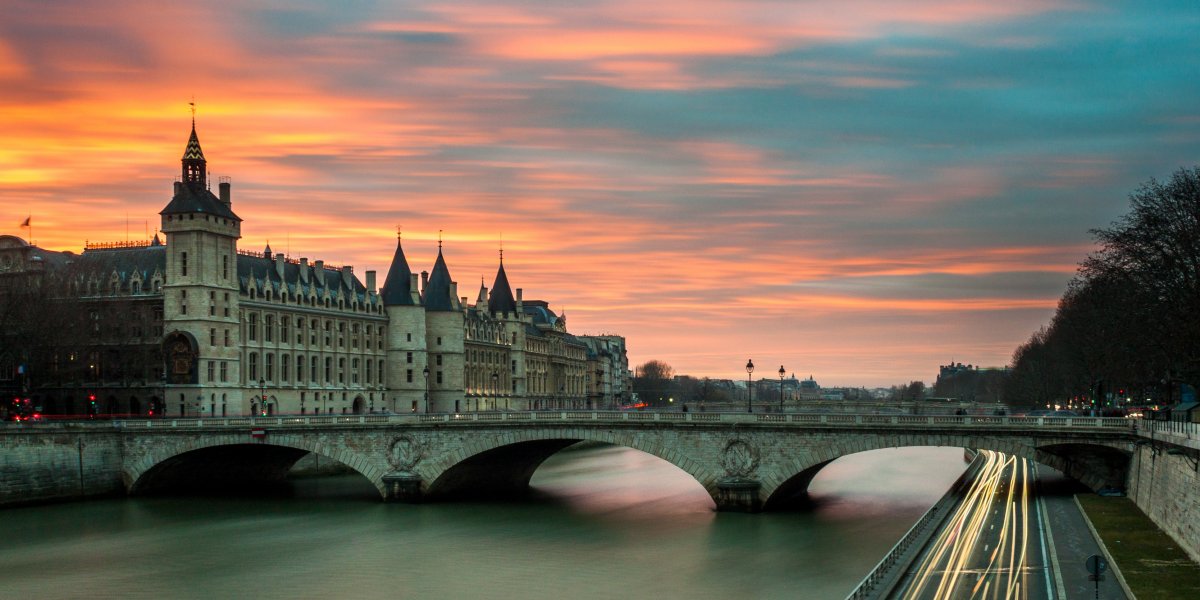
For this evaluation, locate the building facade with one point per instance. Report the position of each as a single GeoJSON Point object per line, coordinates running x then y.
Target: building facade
{"type": "Point", "coordinates": [193, 325]}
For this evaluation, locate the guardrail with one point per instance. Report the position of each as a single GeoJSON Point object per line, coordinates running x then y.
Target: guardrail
{"type": "Point", "coordinates": [494, 418]}
{"type": "Point", "coordinates": [1182, 429]}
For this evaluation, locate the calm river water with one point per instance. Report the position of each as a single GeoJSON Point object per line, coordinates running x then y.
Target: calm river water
{"type": "Point", "coordinates": [608, 523]}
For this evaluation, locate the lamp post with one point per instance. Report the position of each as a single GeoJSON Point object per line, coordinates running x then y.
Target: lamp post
{"type": "Point", "coordinates": [781, 373]}
{"type": "Point", "coordinates": [495, 391]}
{"type": "Point", "coordinates": [262, 388]}
{"type": "Point", "coordinates": [749, 387]}
{"type": "Point", "coordinates": [425, 372]}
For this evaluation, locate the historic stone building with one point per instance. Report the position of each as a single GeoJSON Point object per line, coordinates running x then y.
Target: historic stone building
{"type": "Point", "coordinates": [196, 326]}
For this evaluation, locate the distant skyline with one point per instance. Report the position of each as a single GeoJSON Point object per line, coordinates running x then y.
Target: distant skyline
{"type": "Point", "coordinates": [859, 191]}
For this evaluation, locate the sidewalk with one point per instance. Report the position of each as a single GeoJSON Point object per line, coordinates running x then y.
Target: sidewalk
{"type": "Point", "coordinates": [1073, 540]}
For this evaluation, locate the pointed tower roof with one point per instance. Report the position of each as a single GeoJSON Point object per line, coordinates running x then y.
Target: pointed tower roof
{"type": "Point", "coordinates": [267, 251]}
{"type": "Point", "coordinates": [193, 151]}
{"type": "Point", "coordinates": [502, 300]}
{"type": "Point", "coordinates": [437, 292]}
{"type": "Point", "coordinates": [482, 298]}
{"type": "Point", "coordinates": [191, 192]}
{"type": "Point", "coordinates": [397, 288]}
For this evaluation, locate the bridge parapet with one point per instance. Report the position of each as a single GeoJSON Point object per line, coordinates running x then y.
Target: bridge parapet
{"type": "Point", "coordinates": [1184, 431]}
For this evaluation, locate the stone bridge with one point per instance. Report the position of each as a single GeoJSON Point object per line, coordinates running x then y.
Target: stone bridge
{"type": "Point", "coordinates": [746, 462]}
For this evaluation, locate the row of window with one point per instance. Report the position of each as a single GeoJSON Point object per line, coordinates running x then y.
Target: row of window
{"type": "Point", "coordinates": [367, 336]}
{"type": "Point", "coordinates": [353, 370]}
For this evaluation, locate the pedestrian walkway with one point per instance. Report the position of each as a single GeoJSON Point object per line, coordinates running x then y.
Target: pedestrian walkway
{"type": "Point", "coordinates": [1073, 540]}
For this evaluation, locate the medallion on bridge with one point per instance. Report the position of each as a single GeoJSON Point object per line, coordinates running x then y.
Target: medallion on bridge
{"type": "Point", "coordinates": [739, 458]}
{"type": "Point", "coordinates": [405, 453]}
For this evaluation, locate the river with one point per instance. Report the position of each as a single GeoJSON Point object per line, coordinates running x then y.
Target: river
{"type": "Point", "coordinates": [606, 522]}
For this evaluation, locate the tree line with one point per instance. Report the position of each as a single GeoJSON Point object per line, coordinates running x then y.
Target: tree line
{"type": "Point", "coordinates": [1129, 322]}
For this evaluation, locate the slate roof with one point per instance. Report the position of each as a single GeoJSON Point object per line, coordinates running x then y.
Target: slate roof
{"type": "Point", "coordinates": [397, 288]}
{"type": "Point", "coordinates": [265, 272]}
{"type": "Point", "coordinates": [502, 297]}
{"type": "Point", "coordinates": [195, 199]}
{"type": "Point", "coordinates": [437, 292]}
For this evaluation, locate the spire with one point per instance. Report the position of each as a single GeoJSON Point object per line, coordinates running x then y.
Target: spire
{"type": "Point", "coordinates": [194, 166]}
{"type": "Point", "coordinates": [397, 289]}
{"type": "Point", "coordinates": [437, 291]}
{"type": "Point", "coordinates": [502, 297]}
{"type": "Point", "coordinates": [482, 298]}
{"type": "Point", "coordinates": [267, 251]}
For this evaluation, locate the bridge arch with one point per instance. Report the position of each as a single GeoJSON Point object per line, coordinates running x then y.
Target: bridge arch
{"type": "Point", "coordinates": [1094, 464]}
{"type": "Point", "coordinates": [501, 465]}
{"type": "Point", "coordinates": [229, 458]}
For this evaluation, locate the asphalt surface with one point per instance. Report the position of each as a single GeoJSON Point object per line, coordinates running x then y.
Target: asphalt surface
{"type": "Point", "coordinates": [1017, 534]}
{"type": "Point", "coordinates": [1073, 541]}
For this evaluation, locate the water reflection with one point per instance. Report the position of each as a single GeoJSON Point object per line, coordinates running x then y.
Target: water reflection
{"type": "Point", "coordinates": [605, 522]}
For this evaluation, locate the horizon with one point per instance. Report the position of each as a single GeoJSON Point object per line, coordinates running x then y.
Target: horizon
{"type": "Point", "coordinates": [860, 192]}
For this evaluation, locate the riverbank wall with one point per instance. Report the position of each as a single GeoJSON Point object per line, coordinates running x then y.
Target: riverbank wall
{"type": "Point", "coordinates": [37, 467]}
{"type": "Point", "coordinates": [1164, 480]}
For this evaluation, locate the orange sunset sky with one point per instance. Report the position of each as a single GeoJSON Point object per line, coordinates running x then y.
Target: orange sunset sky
{"type": "Point", "coordinates": [856, 190]}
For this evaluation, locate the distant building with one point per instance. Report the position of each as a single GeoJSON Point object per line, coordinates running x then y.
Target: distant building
{"type": "Point", "coordinates": [193, 325]}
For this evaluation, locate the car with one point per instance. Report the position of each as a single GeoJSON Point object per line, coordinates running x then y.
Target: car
{"type": "Point", "coordinates": [1041, 412]}
{"type": "Point", "coordinates": [1064, 413]}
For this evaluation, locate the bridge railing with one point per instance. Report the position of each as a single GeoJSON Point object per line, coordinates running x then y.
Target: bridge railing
{"type": "Point", "coordinates": [1188, 430]}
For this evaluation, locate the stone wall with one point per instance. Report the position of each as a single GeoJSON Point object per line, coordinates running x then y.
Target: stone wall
{"type": "Point", "coordinates": [1166, 487]}
{"type": "Point", "coordinates": [43, 466]}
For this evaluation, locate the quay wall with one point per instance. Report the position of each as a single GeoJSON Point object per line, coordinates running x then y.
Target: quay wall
{"type": "Point", "coordinates": [1164, 481]}
{"type": "Point", "coordinates": [37, 466]}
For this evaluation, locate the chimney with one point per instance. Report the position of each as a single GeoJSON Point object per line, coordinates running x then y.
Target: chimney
{"type": "Point", "coordinates": [278, 262]}
{"type": "Point", "coordinates": [348, 276]}
{"type": "Point", "coordinates": [520, 304]}
{"type": "Point", "coordinates": [371, 281]}
{"type": "Point", "coordinates": [178, 187]}
{"type": "Point", "coordinates": [304, 269]}
{"type": "Point", "coordinates": [224, 187]}
{"type": "Point", "coordinates": [424, 280]}
{"type": "Point", "coordinates": [319, 265]}
{"type": "Point", "coordinates": [453, 289]}
{"type": "Point", "coordinates": [413, 290]}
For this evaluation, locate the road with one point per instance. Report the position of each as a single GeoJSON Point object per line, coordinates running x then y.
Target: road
{"type": "Point", "coordinates": [994, 543]}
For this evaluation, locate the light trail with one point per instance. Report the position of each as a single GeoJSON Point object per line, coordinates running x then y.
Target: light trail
{"type": "Point", "coordinates": [987, 537]}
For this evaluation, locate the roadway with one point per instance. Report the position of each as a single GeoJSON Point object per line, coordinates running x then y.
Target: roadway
{"type": "Point", "coordinates": [993, 544]}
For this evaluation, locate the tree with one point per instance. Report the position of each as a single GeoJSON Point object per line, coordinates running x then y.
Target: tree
{"type": "Point", "coordinates": [654, 383]}
{"type": "Point", "coordinates": [1127, 320]}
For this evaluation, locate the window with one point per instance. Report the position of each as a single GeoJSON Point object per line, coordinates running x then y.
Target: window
{"type": "Point", "coordinates": [439, 359]}
{"type": "Point", "coordinates": [439, 341]}
{"type": "Point", "coordinates": [439, 377]}
{"type": "Point", "coordinates": [341, 370]}
{"type": "Point", "coordinates": [211, 368]}
{"type": "Point", "coordinates": [368, 376]}
{"type": "Point", "coordinates": [409, 357]}
{"type": "Point", "coordinates": [409, 338]}
{"type": "Point", "coordinates": [224, 371]}
{"type": "Point", "coordinates": [312, 373]}
{"type": "Point", "coordinates": [225, 268]}
{"type": "Point", "coordinates": [252, 334]}
{"type": "Point", "coordinates": [212, 339]}
{"type": "Point", "coordinates": [212, 304]}
{"type": "Point", "coordinates": [328, 370]}
{"type": "Point", "coordinates": [252, 372]}
{"type": "Point", "coordinates": [283, 329]}
{"type": "Point", "coordinates": [380, 372]}
{"type": "Point", "coordinates": [408, 375]}
{"type": "Point", "coordinates": [226, 337]}
{"type": "Point", "coordinates": [270, 366]}
{"type": "Point", "coordinates": [268, 328]}
{"type": "Point", "coordinates": [183, 264]}
{"type": "Point", "coordinates": [354, 370]}
{"type": "Point", "coordinates": [300, 368]}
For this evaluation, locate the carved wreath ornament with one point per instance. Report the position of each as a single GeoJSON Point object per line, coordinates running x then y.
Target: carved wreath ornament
{"type": "Point", "coordinates": [405, 453]}
{"type": "Point", "coordinates": [739, 458]}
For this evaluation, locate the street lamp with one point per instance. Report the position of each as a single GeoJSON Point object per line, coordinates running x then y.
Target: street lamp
{"type": "Point", "coordinates": [495, 391]}
{"type": "Point", "coordinates": [749, 388]}
{"type": "Point", "coordinates": [781, 373]}
{"type": "Point", "coordinates": [425, 371]}
{"type": "Point", "coordinates": [262, 387]}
